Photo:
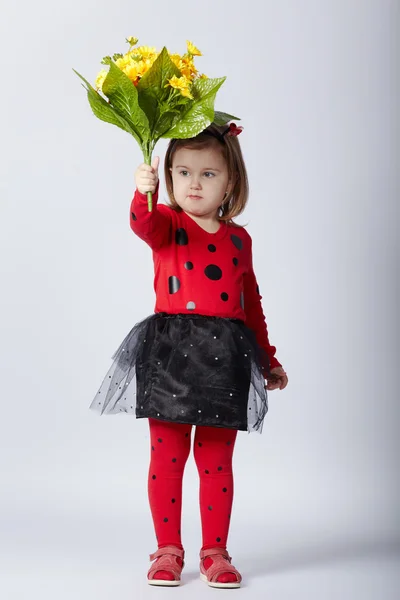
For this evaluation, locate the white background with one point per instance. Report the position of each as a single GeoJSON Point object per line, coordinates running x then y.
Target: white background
{"type": "Point", "coordinates": [316, 508]}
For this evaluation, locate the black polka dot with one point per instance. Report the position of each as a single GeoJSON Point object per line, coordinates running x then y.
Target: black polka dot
{"type": "Point", "coordinates": [206, 472]}
{"type": "Point", "coordinates": [210, 508]}
{"type": "Point", "coordinates": [200, 444]}
{"type": "Point", "coordinates": [237, 241]}
{"type": "Point", "coordinates": [186, 435]}
{"type": "Point", "coordinates": [152, 447]}
{"type": "Point", "coordinates": [134, 217]}
{"type": "Point", "coordinates": [228, 443]}
{"type": "Point", "coordinates": [235, 261]}
{"type": "Point", "coordinates": [174, 460]}
{"type": "Point", "coordinates": [258, 290]}
{"type": "Point", "coordinates": [153, 477]}
{"type": "Point", "coordinates": [211, 247]}
{"type": "Point", "coordinates": [165, 520]}
{"type": "Point", "coordinates": [181, 237]}
{"type": "Point", "coordinates": [218, 539]}
{"type": "Point", "coordinates": [173, 284]}
{"type": "Point", "coordinates": [213, 272]}
{"type": "Point", "coordinates": [159, 440]}
{"type": "Point", "coordinates": [219, 468]}
{"type": "Point", "coordinates": [224, 490]}
{"type": "Point", "coordinates": [179, 532]}
{"type": "Point", "coordinates": [173, 500]}
{"type": "Point", "coordinates": [189, 265]}
{"type": "Point", "coordinates": [224, 296]}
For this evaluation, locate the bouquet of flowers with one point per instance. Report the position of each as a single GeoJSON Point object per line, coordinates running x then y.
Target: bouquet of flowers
{"type": "Point", "coordinates": [154, 95]}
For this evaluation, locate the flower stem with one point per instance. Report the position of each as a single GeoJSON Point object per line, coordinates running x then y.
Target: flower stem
{"type": "Point", "coordinates": [147, 159]}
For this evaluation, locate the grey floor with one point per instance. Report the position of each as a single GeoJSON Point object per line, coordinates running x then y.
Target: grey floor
{"type": "Point", "coordinates": [59, 556]}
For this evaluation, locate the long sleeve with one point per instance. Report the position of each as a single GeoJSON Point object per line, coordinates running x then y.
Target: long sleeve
{"type": "Point", "coordinates": [153, 227]}
{"type": "Point", "coordinates": [255, 318]}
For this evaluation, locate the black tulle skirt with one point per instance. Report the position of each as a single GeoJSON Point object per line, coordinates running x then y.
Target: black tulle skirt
{"type": "Point", "coordinates": [188, 368]}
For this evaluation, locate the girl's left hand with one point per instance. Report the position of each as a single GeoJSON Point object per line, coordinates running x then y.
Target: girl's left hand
{"type": "Point", "coordinates": [277, 379]}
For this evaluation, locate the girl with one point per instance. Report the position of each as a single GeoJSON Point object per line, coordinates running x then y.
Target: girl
{"type": "Point", "coordinates": [203, 357]}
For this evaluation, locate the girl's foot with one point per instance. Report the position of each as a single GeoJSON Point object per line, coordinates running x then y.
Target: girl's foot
{"type": "Point", "coordinates": [168, 567]}
{"type": "Point", "coordinates": [216, 569]}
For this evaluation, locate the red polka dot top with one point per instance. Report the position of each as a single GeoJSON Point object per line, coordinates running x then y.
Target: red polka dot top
{"type": "Point", "coordinates": [200, 272]}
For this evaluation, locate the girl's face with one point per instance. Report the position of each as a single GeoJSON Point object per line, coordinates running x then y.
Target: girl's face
{"type": "Point", "coordinates": [200, 180]}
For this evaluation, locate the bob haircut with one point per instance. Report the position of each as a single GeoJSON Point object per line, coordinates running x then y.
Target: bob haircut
{"type": "Point", "coordinates": [229, 146]}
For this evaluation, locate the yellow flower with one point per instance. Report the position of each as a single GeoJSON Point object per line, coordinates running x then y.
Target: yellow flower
{"type": "Point", "coordinates": [132, 72]}
{"type": "Point", "coordinates": [186, 92]}
{"type": "Point", "coordinates": [192, 49]}
{"type": "Point", "coordinates": [176, 59]}
{"type": "Point", "coordinates": [188, 69]}
{"type": "Point", "coordinates": [177, 82]}
{"type": "Point", "coordinates": [181, 84]}
{"type": "Point", "coordinates": [100, 79]}
{"type": "Point", "coordinates": [185, 64]}
{"type": "Point", "coordinates": [145, 52]}
{"type": "Point", "coordinates": [135, 68]}
{"type": "Point", "coordinates": [123, 62]}
{"type": "Point", "coordinates": [137, 61]}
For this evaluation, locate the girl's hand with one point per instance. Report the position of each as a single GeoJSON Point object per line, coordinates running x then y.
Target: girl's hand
{"type": "Point", "coordinates": [146, 176]}
{"type": "Point", "coordinates": [277, 379]}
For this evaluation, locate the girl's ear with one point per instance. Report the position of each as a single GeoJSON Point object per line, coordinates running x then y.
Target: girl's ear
{"type": "Point", "coordinates": [170, 169]}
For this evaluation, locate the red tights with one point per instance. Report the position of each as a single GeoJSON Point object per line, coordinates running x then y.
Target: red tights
{"type": "Point", "coordinates": [170, 447]}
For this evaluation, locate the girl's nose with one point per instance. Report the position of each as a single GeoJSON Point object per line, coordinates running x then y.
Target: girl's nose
{"type": "Point", "coordinates": [195, 184]}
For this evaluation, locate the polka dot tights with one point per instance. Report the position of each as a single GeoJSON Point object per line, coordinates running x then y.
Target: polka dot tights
{"type": "Point", "coordinates": [212, 449]}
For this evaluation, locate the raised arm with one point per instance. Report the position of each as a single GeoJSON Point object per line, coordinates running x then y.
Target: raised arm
{"type": "Point", "coordinates": [153, 227]}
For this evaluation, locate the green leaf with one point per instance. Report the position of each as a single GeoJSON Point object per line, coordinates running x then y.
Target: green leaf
{"type": "Point", "coordinates": [103, 111]}
{"type": "Point", "coordinates": [169, 114]}
{"type": "Point", "coordinates": [166, 121]}
{"type": "Point", "coordinates": [221, 118]}
{"type": "Point", "coordinates": [151, 88]}
{"type": "Point", "coordinates": [123, 96]}
{"type": "Point", "coordinates": [197, 115]}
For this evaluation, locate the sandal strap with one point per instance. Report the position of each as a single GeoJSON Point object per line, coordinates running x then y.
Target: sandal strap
{"type": "Point", "coordinates": [221, 564]}
{"type": "Point", "coordinates": [168, 550]}
{"type": "Point", "coordinates": [167, 561]}
{"type": "Point", "coordinates": [213, 551]}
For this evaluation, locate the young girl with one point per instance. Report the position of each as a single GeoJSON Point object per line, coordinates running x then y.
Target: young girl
{"type": "Point", "coordinates": [203, 357]}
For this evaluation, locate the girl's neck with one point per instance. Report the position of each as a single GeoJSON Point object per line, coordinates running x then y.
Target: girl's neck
{"type": "Point", "coordinates": [209, 224]}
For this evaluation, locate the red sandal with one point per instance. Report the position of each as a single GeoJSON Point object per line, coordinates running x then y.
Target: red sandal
{"type": "Point", "coordinates": [166, 561]}
{"type": "Point", "coordinates": [221, 564]}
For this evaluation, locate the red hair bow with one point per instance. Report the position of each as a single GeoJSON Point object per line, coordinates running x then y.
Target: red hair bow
{"type": "Point", "coordinates": [233, 129]}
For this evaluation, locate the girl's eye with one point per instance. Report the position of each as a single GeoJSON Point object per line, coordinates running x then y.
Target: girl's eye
{"type": "Point", "coordinates": [206, 173]}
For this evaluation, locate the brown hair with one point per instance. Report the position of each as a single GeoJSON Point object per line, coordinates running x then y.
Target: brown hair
{"type": "Point", "coordinates": [235, 203]}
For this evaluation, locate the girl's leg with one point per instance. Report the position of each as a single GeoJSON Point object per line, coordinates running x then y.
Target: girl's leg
{"type": "Point", "coordinates": [170, 448]}
{"type": "Point", "coordinates": [213, 450]}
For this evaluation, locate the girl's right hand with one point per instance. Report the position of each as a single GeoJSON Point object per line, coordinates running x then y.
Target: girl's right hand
{"type": "Point", "coordinates": [146, 176]}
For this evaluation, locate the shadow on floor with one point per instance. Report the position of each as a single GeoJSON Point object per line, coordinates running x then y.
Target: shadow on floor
{"type": "Point", "coordinates": [318, 552]}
